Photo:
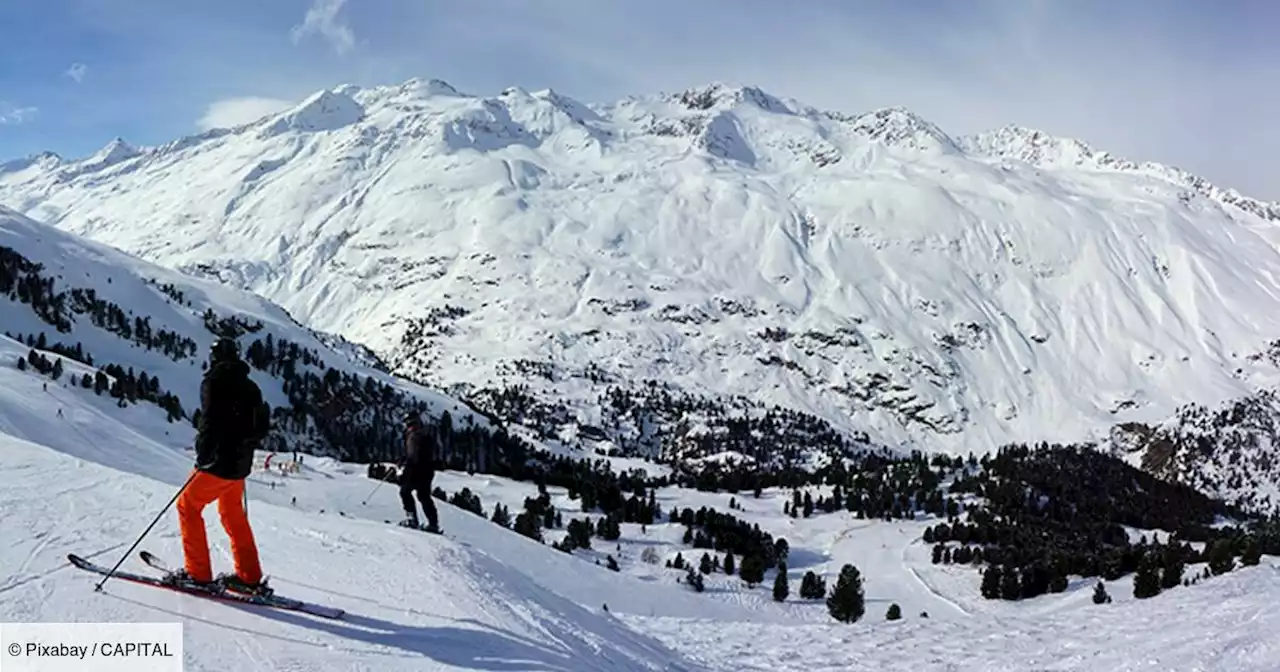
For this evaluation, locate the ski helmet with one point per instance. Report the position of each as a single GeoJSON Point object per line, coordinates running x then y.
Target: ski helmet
{"type": "Point", "coordinates": [224, 348]}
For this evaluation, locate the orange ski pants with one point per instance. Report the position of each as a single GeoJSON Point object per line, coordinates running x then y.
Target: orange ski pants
{"type": "Point", "coordinates": [204, 489]}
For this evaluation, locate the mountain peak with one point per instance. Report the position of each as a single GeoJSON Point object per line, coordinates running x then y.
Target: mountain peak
{"type": "Point", "coordinates": [114, 152]}
{"type": "Point", "coordinates": [1033, 146]}
{"type": "Point", "coordinates": [322, 111]}
{"type": "Point", "coordinates": [427, 88]}
{"type": "Point", "coordinates": [898, 127]}
{"type": "Point", "coordinates": [723, 95]}
{"type": "Point", "coordinates": [41, 160]}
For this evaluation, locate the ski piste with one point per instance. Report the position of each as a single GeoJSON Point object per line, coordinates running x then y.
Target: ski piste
{"type": "Point", "coordinates": [274, 602]}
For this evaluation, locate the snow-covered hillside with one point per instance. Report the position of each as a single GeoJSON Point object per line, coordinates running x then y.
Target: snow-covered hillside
{"type": "Point", "coordinates": [138, 335]}
{"type": "Point", "coordinates": [944, 293]}
{"type": "Point", "coordinates": [483, 598]}
{"type": "Point", "coordinates": [413, 602]}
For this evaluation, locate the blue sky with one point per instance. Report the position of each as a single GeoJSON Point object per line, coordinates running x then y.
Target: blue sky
{"type": "Point", "coordinates": [1192, 84]}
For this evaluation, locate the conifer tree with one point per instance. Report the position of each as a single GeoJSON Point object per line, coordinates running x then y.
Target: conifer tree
{"type": "Point", "coordinates": [1146, 583]}
{"type": "Point", "coordinates": [1251, 554]}
{"type": "Point", "coordinates": [1220, 557]}
{"type": "Point", "coordinates": [1100, 595]}
{"type": "Point", "coordinates": [501, 516]}
{"type": "Point", "coordinates": [752, 570]}
{"type": "Point", "coordinates": [847, 603]}
{"type": "Point", "coordinates": [781, 549]}
{"type": "Point", "coordinates": [812, 587]}
{"type": "Point", "coordinates": [1010, 585]}
{"type": "Point", "coordinates": [781, 586]}
{"type": "Point", "coordinates": [694, 580]}
{"type": "Point", "coordinates": [991, 581]}
{"type": "Point", "coordinates": [1174, 566]}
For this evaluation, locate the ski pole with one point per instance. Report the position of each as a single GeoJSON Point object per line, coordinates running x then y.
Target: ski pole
{"type": "Point", "coordinates": [382, 480]}
{"type": "Point", "coordinates": [98, 588]}
{"type": "Point", "coordinates": [375, 489]}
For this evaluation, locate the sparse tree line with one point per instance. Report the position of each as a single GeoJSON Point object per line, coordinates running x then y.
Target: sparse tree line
{"type": "Point", "coordinates": [759, 551]}
{"type": "Point", "coordinates": [123, 385]}
{"type": "Point", "coordinates": [716, 531]}
{"type": "Point", "coordinates": [777, 438]}
{"type": "Point", "coordinates": [332, 412]}
{"type": "Point", "coordinates": [22, 280]}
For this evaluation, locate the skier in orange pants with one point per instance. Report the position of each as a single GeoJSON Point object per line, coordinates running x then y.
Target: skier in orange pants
{"type": "Point", "coordinates": [233, 422]}
{"type": "Point", "coordinates": [203, 490]}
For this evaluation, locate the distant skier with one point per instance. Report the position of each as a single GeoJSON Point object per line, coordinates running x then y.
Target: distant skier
{"type": "Point", "coordinates": [419, 471]}
{"type": "Point", "coordinates": [233, 422]}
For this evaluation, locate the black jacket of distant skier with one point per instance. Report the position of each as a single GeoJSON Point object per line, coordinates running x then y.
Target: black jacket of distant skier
{"type": "Point", "coordinates": [233, 420]}
{"type": "Point", "coordinates": [420, 455]}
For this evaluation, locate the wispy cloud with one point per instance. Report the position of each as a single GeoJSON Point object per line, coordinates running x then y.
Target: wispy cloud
{"type": "Point", "coordinates": [1141, 85]}
{"type": "Point", "coordinates": [322, 19]}
{"type": "Point", "coordinates": [1184, 86]}
{"type": "Point", "coordinates": [77, 71]}
{"type": "Point", "coordinates": [233, 112]}
{"type": "Point", "coordinates": [11, 115]}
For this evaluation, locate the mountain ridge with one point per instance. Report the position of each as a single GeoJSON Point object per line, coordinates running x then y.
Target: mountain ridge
{"type": "Point", "coordinates": [902, 286]}
{"type": "Point", "coordinates": [1028, 144]}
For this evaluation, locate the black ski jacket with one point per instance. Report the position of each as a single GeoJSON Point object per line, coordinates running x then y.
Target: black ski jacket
{"type": "Point", "coordinates": [420, 452]}
{"type": "Point", "coordinates": [231, 420]}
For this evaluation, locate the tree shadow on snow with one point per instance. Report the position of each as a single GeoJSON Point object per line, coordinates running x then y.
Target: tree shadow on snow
{"type": "Point", "coordinates": [804, 558]}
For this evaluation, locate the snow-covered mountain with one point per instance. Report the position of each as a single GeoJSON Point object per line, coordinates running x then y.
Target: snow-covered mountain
{"type": "Point", "coordinates": [110, 325]}
{"type": "Point", "coordinates": [98, 377]}
{"type": "Point", "coordinates": [602, 271]}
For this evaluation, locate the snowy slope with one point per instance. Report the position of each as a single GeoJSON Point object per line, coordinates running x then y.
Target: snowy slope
{"type": "Point", "coordinates": [1202, 628]}
{"type": "Point", "coordinates": [414, 602]}
{"type": "Point", "coordinates": [949, 293]}
{"type": "Point", "coordinates": [164, 333]}
{"type": "Point", "coordinates": [484, 598]}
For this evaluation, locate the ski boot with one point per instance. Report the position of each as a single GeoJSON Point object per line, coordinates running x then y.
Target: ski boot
{"type": "Point", "coordinates": [410, 520]}
{"type": "Point", "coordinates": [180, 577]}
{"type": "Point", "coordinates": [433, 528]}
{"type": "Point", "coordinates": [235, 584]}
